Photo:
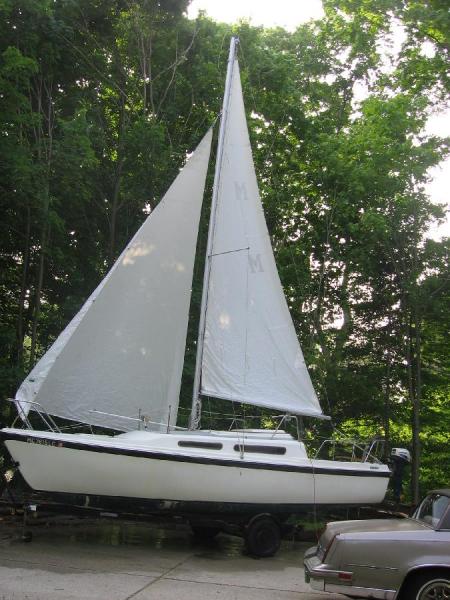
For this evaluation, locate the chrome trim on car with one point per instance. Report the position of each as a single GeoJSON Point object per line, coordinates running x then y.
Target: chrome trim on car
{"type": "Point", "coordinates": [361, 592]}
{"type": "Point", "coordinates": [372, 567]}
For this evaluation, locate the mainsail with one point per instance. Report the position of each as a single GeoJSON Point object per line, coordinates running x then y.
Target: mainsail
{"type": "Point", "coordinates": [250, 349]}
{"type": "Point", "coordinates": [123, 352]}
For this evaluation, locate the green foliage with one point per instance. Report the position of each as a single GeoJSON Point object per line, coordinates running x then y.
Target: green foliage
{"type": "Point", "coordinates": [101, 101]}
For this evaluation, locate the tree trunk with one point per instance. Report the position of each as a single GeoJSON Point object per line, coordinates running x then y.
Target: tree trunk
{"type": "Point", "coordinates": [44, 146]}
{"type": "Point", "coordinates": [39, 284]}
{"type": "Point", "coordinates": [115, 207]}
{"type": "Point", "coordinates": [415, 475]}
{"type": "Point", "coordinates": [115, 204]}
{"type": "Point", "coordinates": [414, 397]}
{"type": "Point", "coordinates": [387, 407]}
{"type": "Point", "coordinates": [20, 329]}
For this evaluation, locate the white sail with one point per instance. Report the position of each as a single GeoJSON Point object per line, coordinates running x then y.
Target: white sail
{"type": "Point", "coordinates": [123, 352]}
{"type": "Point", "coordinates": [251, 352]}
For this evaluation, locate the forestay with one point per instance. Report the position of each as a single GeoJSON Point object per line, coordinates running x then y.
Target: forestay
{"type": "Point", "coordinates": [251, 352]}
{"type": "Point", "coordinates": [123, 352]}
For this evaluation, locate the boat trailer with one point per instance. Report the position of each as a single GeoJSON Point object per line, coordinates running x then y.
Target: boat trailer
{"type": "Point", "coordinates": [262, 532]}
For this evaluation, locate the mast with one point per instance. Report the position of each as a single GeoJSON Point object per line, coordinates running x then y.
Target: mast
{"type": "Point", "coordinates": [196, 400]}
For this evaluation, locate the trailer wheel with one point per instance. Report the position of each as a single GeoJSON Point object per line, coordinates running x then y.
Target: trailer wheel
{"type": "Point", "coordinates": [262, 536]}
{"type": "Point", "coordinates": [204, 533]}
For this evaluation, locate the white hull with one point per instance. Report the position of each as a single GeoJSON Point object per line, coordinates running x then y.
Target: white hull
{"type": "Point", "coordinates": [181, 468]}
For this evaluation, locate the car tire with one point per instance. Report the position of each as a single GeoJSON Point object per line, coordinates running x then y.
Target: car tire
{"type": "Point", "coordinates": [262, 537]}
{"type": "Point", "coordinates": [428, 585]}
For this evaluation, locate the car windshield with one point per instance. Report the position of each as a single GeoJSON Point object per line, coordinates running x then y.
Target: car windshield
{"type": "Point", "coordinates": [432, 509]}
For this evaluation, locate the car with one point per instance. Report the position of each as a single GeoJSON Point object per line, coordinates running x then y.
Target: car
{"type": "Point", "coordinates": [393, 559]}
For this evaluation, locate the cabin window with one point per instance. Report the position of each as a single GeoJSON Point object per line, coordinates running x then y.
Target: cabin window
{"type": "Point", "coordinates": [260, 449]}
{"type": "Point", "coordinates": [194, 444]}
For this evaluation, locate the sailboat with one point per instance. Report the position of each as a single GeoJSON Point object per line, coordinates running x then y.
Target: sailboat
{"type": "Point", "coordinates": [118, 365]}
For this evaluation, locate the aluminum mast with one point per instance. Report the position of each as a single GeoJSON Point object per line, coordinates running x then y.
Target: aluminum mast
{"type": "Point", "coordinates": [196, 400]}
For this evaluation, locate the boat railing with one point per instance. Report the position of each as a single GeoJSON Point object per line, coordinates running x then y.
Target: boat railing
{"type": "Point", "coordinates": [239, 423]}
{"type": "Point", "coordinates": [286, 419]}
{"type": "Point", "coordinates": [350, 450]}
{"type": "Point", "coordinates": [141, 420]}
{"type": "Point", "coordinates": [51, 425]}
{"type": "Point", "coordinates": [47, 419]}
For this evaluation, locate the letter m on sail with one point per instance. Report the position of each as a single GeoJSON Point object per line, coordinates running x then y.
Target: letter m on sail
{"type": "Point", "coordinates": [254, 260]}
{"type": "Point", "coordinates": [255, 264]}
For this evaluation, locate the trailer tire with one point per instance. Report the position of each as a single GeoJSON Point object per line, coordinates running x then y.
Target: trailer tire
{"type": "Point", "coordinates": [262, 536]}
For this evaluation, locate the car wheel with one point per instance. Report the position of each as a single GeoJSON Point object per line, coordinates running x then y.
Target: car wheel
{"type": "Point", "coordinates": [430, 585]}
